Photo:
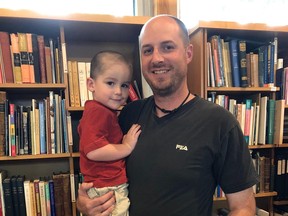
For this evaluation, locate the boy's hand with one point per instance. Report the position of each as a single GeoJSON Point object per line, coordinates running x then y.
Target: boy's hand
{"type": "Point", "coordinates": [132, 136]}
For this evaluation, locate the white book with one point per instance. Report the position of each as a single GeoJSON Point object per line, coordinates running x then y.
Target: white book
{"type": "Point", "coordinates": [82, 83]}
{"type": "Point", "coordinates": [27, 195]}
{"type": "Point", "coordinates": [52, 127]}
{"type": "Point", "coordinates": [72, 184]}
{"type": "Point", "coordinates": [3, 175]}
{"type": "Point", "coordinates": [256, 128]}
{"type": "Point", "coordinates": [42, 198]}
{"type": "Point", "coordinates": [263, 120]}
{"type": "Point", "coordinates": [88, 68]}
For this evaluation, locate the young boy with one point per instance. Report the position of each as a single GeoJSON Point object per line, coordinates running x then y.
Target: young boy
{"type": "Point", "coordinates": [102, 149]}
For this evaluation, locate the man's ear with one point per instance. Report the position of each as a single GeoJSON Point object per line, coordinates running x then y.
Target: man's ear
{"type": "Point", "coordinates": [189, 53]}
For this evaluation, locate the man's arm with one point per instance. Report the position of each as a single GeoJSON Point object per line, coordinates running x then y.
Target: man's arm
{"type": "Point", "coordinates": [100, 206]}
{"type": "Point", "coordinates": [242, 203]}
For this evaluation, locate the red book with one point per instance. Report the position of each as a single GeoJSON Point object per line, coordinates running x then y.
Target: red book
{"type": "Point", "coordinates": [132, 93]}
{"type": "Point", "coordinates": [6, 56]}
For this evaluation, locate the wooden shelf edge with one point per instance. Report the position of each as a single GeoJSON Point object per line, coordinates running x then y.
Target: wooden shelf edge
{"type": "Point", "coordinates": [32, 86]}
{"type": "Point", "coordinates": [242, 89]}
{"type": "Point", "coordinates": [281, 202]}
{"type": "Point", "coordinates": [29, 14]}
{"type": "Point", "coordinates": [31, 157]}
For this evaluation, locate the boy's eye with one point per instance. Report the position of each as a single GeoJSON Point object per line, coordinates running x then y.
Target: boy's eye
{"type": "Point", "coordinates": [125, 85]}
{"type": "Point", "coordinates": [110, 83]}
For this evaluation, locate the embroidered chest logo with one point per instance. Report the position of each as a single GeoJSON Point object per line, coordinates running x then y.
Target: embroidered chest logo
{"type": "Point", "coordinates": [181, 147]}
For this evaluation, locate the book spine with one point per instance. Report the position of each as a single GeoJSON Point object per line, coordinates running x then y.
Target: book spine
{"type": "Point", "coordinates": [242, 63]}
{"type": "Point", "coordinates": [23, 48]}
{"type": "Point", "coordinates": [42, 62]}
{"type": "Point", "coordinates": [16, 58]}
{"type": "Point", "coordinates": [233, 44]}
{"type": "Point", "coordinates": [132, 93]}
{"type": "Point", "coordinates": [12, 135]}
{"type": "Point", "coordinates": [7, 60]}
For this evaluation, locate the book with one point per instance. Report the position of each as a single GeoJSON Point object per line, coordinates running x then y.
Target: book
{"type": "Point", "coordinates": [233, 45]}
{"type": "Point", "coordinates": [247, 124]}
{"type": "Point", "coordinates": [70, 85]}
{"type": "Point", "coordinates": [33, 199]}
{"type": "Point", "coordinates": [42, 126]}
{"type": "Point", "coordinates": [47, 197]}
{"type": "Point", "coordinates": [52, 197]}
{"type": "Point", "coordinates": [48, 65]}
{"type": "Point", "coordinates": [15, 199]}
{"type": "Point", "coordinates": [42, 195]}
{"type": "Point", "coordinates": [42, 58]}
{"type": "Point", "coordinates": [88, 68]}
{"type": "Point", "coordinates": [30, 57]}
{"type": "Point", "coordinates": [7, 70]}
{"type": "Point", "coordinates": [242, 63]}
{"type": "Point", "coordinates": [36, 58]}
{"type": "Point", "coordinates": [52, 124]}
{"type": "Point", "coordinates": [20, 194]}
{"type": "Point", "coordinates": [52, 57]}
{"type": "Point", "coordinates": [82, 79]}
{"type": "Point", "coordinates": [279, 121]}
{"type": "Point", "coordinates": [23, 48]}
{"type": "Point", "coordinates": [16, 58]}
{"type": "Point", "coordinates": [262, 52]}
{"type": "Point", "coordinates": [8, 197]}
{"type": "Point", "coordinates": [27, 195]}
{"type": "Point", "coordinates": [2, 122]}
{"type": "Point", "coordinates": [75, 81]}
{"type": "Point", "coordinates": [263, 121]}
{"type": "Point", "coordinates": [12, 135]}
{"type": "Point", "coordinates": [37, 196]}
{"type": "Point", "coordinates": [3, 175]}
{"type": "Point", "coordinates": [270, 121]}
{"type": "Point", "coordinates": [132, 93]}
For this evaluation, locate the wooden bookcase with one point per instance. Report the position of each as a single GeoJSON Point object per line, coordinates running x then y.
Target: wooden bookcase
{"type": "Point", "coordinates": [198, 75]}
{"type": "Point", "coordinates": [83, 35]}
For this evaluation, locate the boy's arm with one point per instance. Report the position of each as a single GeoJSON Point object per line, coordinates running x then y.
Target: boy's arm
{"type": "Point", "coordinates": [112, 152]}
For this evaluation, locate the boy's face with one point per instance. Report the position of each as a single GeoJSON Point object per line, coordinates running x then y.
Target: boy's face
{"type": "Point", "coordinates": [111, 86]}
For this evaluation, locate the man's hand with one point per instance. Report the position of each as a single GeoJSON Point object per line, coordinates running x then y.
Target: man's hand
{"type": "Point", "coordinates": [100, 206]}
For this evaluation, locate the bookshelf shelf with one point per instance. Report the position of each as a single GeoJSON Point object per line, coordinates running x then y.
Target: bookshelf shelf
{"type": "Point", "coordinates": [241, 89]}
{"type": "Point", "coordinates": [283, 202]}
{"type": "Point", "coordinates": [32, 157]}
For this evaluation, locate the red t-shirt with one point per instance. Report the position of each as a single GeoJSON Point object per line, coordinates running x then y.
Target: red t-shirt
{"type": "Point", "coordinates": [97, 128]}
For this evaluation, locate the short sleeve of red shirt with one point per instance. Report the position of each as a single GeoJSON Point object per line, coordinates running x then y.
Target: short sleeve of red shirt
{"type": "Point", "coordinates": [98, 127]}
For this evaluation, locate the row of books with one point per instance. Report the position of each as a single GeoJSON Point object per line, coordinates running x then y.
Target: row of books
{"type": "Point", "coordinates": [78, 72]}
{"type": "Point", "coordinates": [281, 175]}
{"type": "Point", "coordinates": [30, 58]}
{"type": "Point", "coordinates": [40, 128]}
{"type": "Point", "coordinates": [261, 119]}
{"type": "Point", "coordinates": [265, 171]}
{"type": "Point", "coordinates": [282, 83]}
{"type": "Point", "coordinates": [232, 64]}
{"type": "Point", "coordinates": [42, 196]}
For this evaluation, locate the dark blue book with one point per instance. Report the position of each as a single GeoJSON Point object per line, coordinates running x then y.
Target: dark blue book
{"type": "Point", "coordinates": [52, 197]}
{"type": "Point", "coordinates": [243, 63]}
{"type": "Point", "coordinates": [262, 55]}
{"type": "Point", "coordinates": [8, 197]}
{"type": "Point", "coordinates": [233, 45]}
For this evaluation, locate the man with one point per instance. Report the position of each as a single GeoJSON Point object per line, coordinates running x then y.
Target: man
{"type": "Point", "coordinates": [187, 145]}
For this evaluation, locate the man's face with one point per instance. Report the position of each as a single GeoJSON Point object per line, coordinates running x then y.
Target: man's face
{"type": "Point", "coordinates": [164, 56]}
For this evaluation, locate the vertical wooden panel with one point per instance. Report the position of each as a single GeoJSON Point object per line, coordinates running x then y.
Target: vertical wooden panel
{"type": "Point", "coordinates": [197, 67]}
{"type": "Point", "coordinates": [165, 7]}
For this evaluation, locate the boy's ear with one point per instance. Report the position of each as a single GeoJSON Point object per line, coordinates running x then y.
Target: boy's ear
{"type": "Point", "coordinates": [90, 84]}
